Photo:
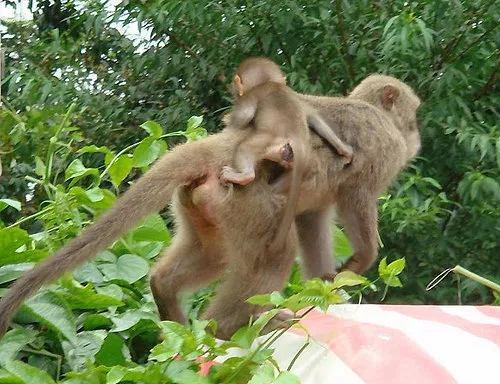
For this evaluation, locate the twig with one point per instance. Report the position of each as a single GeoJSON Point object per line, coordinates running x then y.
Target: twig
{"type": "Point", "coordinates": [489, 84]}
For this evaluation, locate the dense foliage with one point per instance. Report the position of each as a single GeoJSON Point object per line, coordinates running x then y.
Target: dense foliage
{"type": "Point", "coordinates": [83, 77]}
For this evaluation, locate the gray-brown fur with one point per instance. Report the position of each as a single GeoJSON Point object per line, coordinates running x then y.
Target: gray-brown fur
{"type": "Point", "coordinates": [149, 194]}
{"type": "Point", "coordinates": [216, 237]}
{"type": "Point", "coordinates": [378, 120]}
{"type": "Point", "coordinates": [262, 100]}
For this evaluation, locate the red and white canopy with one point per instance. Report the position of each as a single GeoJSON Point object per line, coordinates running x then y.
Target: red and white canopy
{"type": "Point", "coordinates": [395, 344]}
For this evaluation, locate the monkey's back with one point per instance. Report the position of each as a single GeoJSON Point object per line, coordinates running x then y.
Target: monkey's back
{"type": "Point", "coordinates": [379, 151]}
{"type": "Point", "coordinates": [279, 111]}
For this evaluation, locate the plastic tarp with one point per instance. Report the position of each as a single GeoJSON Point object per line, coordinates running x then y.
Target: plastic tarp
{"type": "Point", "coordinates": [394, 344]}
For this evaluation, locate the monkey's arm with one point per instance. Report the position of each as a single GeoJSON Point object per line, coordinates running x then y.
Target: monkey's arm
{"type": "Point", "coordinates": [243, 112]}
{"type": "Point", "coordinates": [326, 132]}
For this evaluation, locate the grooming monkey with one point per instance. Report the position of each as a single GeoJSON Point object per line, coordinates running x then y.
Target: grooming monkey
{"type": "Point", "coordinates": [383, 136]}
{"type": "Point", "coordinates": [278, 117]}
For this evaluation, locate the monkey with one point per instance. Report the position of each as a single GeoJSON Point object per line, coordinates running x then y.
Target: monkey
{"type": "Point", "coordinates": [378, 119]}
{"type": "Point", "coordinates": [384, 148]}
{"type": "Point", "coordinates": [183, 174]}
{"type": "Point", "coordinates": [399, 112]}
{"type": "Point", "coordinates": [263, 98]}
{"type": "Point", "coordinates": [229, 243]}
{"type": "Point", "coordinates": [384, 136]}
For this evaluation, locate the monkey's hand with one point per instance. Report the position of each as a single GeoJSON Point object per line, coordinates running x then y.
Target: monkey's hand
{"type": "Point", "coordinates": [229, 175]}
{"type": "Point", "coordinates": [346, 154]}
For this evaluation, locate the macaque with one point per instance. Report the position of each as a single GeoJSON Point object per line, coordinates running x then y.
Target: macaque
{"type": "Point", "coordinates": [383, 139]}
{"type": "Point", "coordinates": [279, 117]}
{"type": "Point", "coordinates": [223, 230]}
{"type": "Point", "coordinates": [200, 251]}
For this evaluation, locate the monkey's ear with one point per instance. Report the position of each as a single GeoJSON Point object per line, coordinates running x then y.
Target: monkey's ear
{"type": "Point", "coordinates": [283, 80]}
{"type": "Point", "coordinates": [389, 96]}
{"type": "Point", "coordinates": [238, 85]}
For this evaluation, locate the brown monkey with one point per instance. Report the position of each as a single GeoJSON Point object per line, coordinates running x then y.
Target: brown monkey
{"type": "Point", "coordinates": [229, 241]}
{"type": "Point", "coordinates": [384, 147]}
{"type": "Point", "coordinates": [190, 165]}
{"type": "Point", "coordinates": [238, 231]}
{"type": "Point", "coordinates": [378, 120]}
{"type": "Point", "coordinates": [277, 114]}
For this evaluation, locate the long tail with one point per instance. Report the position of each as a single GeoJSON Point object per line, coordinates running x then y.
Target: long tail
{"type": "Point", "coordinates": [149, 194]}
{"type": "Point", "coordinates": [293, 197]}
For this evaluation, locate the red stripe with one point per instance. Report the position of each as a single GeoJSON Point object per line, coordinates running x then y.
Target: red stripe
{"type": "Point", "coordinates": [376, 354]}
{"type": "Point", "coordinates": [490, 311]}
{"type": "Point", "coordinates": [435, 313]}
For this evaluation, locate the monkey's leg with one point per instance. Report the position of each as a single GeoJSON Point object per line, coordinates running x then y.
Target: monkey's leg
{"type": "Point", "coordinates": [315, 240]}
{"type": "Point", "coordinates": [358, 213]}
{"type": "Point", "coordinates": [245, 162]}
{"type": "Point", "coordinates": [229, 307]}
{"type": "Point", "coordinates": [184, 266]}
{"type": "Point", "coordinates": [327, 133]}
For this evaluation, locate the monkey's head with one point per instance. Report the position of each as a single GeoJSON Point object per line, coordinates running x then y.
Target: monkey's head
{"type": "Point", "coordinates": [256, 71]}
{"type": "Point", "coordinates": [398, 101]}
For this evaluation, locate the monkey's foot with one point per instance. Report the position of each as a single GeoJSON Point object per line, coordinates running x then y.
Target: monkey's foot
{"type": "Point", "coordinates": [287, 155]}
{"type": "Point", "coordinates": [229, 175]}
{"type": "Point", "coordinates": [282, 320]}
{"type": "Point", "coordinates": [329, 276]}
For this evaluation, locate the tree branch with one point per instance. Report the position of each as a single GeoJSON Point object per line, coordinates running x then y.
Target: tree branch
{"type": "Point", "coordinates": [489, 84]}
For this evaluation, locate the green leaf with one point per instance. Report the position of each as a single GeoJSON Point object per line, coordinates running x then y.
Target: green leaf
{"type": "Point", "coordinates": [96, 321]}
{"type": "Point", "coordinates": [13, 342]}
{"type": "Point", "coordinates": [84, 349]}
{"type": "Point", "coordinates": [95, 149]}
{"type": "Point", "coordinates": [39, 167]}
{"type": "Point", "coordinates": [286, 377]}
{"type": "Point", "coordinates": [342, 246]}
{"type": "Point", "coordinates": [4, 203]}
{"type": "Point", "coordinates": [29, 256]}
{"type": "Point", "coordinates": [153, 128]}
{"type": "Point", "coordinates": [264, 375]}
{"type": "Point", "coordinates": [348, 278]}
{"type": "Point", "coordinates": [264, 299]}
{"type": "Point", "coordinates": [27, 373]}
{"type": "Point", "coordinates": [11, 239]}
{"type": "Point", "coordinates": [11, 272]}
{"type": "Point", "coordinates": [111, 352]}
{"type": "Point", "coordinates": [130, 318]}
{"type": "Point", "coordinates": [389, 24]}
{"type": "Point", "coordinates": [120, 169]}
{"type": "Point", "coordinates": [397, 266]}
{"type": "Point", "coordinates": [52, 311]}
{"type": "Point", "coordinates": [382, 267]}
{"type": "Point", "coordinates": [146, 152]}
{"type": "Point", "coordinates": [85, 298]}
{"type": "Point", "coordinates": [76, 171]}
{"type": "Point", "coordinates": [128, 267]}
{"type": "Point", "coordinates": [7, 378]}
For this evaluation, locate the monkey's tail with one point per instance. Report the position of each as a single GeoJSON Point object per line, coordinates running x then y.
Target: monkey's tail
{"type": "Point", "coordinates": [293, 197]}
{"type": "Point", "coordinates": [149, 194]}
